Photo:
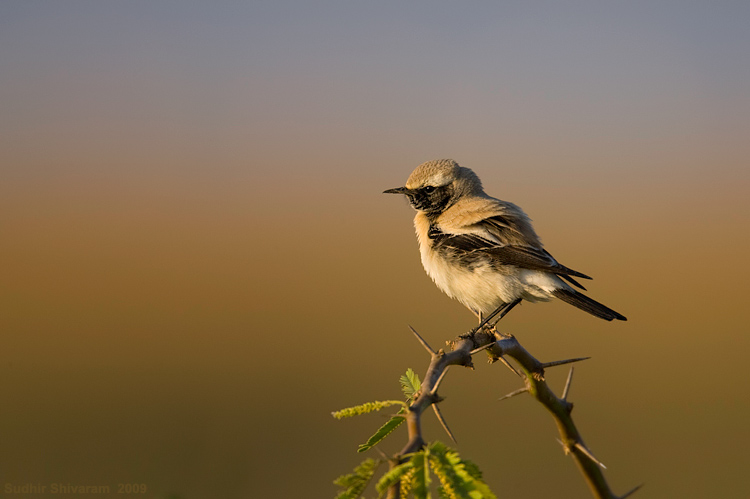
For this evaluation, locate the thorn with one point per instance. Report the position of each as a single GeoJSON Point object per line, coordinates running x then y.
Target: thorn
{"type": "Point", "coordinates": [507, 364]}
{"type": "Point", "coordinates": [636, 489]}
{"type": "Point", "coordinates": [566, 447]}
{"type": "Point", "coordinates": [382, 454]}
{"type": "Point", "coordinates": [485, 347]}
{"type": "Point", "coordinates": [567, 385]}
{"type": "Point", "coordinates": [554, 363]}
{"type": "Point", "coordinates": [514, 393]}
{"type": "Point", "coordinates": [438, 381]}
{"type": "Point", "coordinates": [443, 423]}
{"type": "Point", "coordinates": [588, 454]}
{"type": "Point", "coordinates": [422, 341]}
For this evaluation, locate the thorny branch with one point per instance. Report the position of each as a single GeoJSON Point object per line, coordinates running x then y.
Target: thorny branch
{"type": "Point", "coordinates": [532, 373]}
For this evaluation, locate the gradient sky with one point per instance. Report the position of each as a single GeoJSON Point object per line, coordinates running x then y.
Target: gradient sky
{"type": "Point", "coordinates": [199, 264]}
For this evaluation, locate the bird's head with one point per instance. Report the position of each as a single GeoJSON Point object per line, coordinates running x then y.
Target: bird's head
{"type": "Point", "coordinates": [435, 185]}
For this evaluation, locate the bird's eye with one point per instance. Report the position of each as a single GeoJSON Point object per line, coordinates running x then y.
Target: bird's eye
{"type": "Point", "coordinates": [428, 189]}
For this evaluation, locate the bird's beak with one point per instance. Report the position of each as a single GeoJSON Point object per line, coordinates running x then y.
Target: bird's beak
{"type": "Point", "coordinates": [397, 190]}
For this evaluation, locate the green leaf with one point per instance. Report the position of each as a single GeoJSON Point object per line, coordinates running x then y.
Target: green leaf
{"type": "Point", "coordinates": [468, 472]}
{"type": "Point", "coordinates": [412, 477]}
{"type": "Point", "coordinates": [421, 479]}
{"type": "Point", "coordinates": [355, 483]}
{"type": "Point", "coordinates": [410, 383]}
{"type": "Point", "coordinates": [383, 432]}
{"type": "Point", "coordinates": [458, 478]}
{"type": "Point", "coordinates": [406, 483]}
{"type": "Point", "coordinates": [365, 408]}
{"type": "Point", "coordinates": [392, 477]}
{"type": "Point", "coordinates": [472, 469]}
{"type": "Point", "coordinates": [451, 482]}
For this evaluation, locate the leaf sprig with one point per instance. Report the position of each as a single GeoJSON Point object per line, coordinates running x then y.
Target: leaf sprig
{"type": "Point", "coordinates": [457, 478]}
{"type": "Point", "coordinates": [358, 410]}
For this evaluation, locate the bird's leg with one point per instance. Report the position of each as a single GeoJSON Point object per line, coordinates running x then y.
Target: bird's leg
{"type": "Point", "coordinates": [508, 307]}
{"type": "Point", "coordinates": [483, 321]}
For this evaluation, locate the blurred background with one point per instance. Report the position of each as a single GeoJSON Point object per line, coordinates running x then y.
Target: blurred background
{"type": "Point", "coordinates": [198, 264]}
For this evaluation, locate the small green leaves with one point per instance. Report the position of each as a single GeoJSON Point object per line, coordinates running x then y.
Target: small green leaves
{"type": "Point", "coordinates": [393, 477]}
{"type": "Point", "coordinates": [458, 478]}
{"type": "Point", "coordinates": [365, 408]}
{"type": "Point", "coordinates": [410, 384]}
{"type": "Point", "coordinates": [413, 477]}
{"type": "Point", "coordinates": [383, 432]}
{"type": "Point", "coordinates": [443, 467]}
{"type": "Point", "coordinates": [421, 481]}
{"type": "Point", "coordinates": [355, 483]}
{"type": "Point", "coordinates": [472, 469]}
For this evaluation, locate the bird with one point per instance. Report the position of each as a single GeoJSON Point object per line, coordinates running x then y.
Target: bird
{"type": "Point", "coordinates": [482, 251]}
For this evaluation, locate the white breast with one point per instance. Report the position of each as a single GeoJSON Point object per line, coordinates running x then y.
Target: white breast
{"type": "Point", "coordinates": [482, 288]}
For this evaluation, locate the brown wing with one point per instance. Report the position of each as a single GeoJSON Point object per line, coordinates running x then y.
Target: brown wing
{"type": "Point", "coordinates": [518, 255]}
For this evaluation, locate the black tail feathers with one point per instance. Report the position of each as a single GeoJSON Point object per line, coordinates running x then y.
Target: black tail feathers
{"type": "Point", "coordinates": [586, 304]}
